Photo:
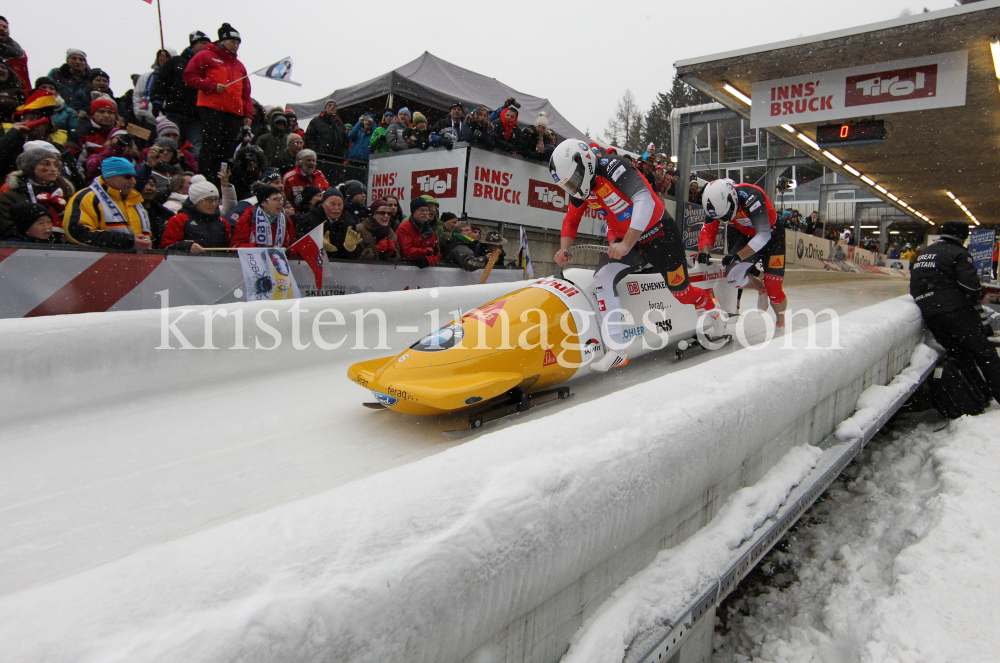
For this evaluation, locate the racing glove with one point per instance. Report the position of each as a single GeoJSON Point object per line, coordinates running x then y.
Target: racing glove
{"type": "Point", "coordinates": [422, 262]}
{"type": "Point", "coordinates": [730, 259]}
{"type": "Point", "coordinates": [703, 258]}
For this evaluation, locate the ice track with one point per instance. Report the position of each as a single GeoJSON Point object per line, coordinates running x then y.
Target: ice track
{"type": "Point", "coordinates": [83, 484]}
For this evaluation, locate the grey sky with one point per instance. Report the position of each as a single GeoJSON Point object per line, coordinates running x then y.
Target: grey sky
{"type": "Point", "coordinates": [581, 55]}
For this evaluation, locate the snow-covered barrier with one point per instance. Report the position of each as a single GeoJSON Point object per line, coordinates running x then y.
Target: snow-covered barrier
{"type": "Point", "coordinates": [496, 550]}
{"type": "Point", "coordinates": [49, 363]}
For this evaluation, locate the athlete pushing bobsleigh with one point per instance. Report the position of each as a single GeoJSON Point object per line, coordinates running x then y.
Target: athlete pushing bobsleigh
{"type": "Point", "coordinates": [753, 234]}
{"type": "Point", "coordinates": [639, 230]}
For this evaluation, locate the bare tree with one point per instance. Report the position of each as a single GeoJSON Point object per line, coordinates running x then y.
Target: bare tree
{"type": "Point", "coordinates": [626, 125]}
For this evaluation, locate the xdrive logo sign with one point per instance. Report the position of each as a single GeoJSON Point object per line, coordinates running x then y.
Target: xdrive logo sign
{"type": "Point", "coordinates": [546, 196]}
{"type": "Point", "coordinates": [439, 183]}
{"type": "Point", "coordinates": [893, 85]}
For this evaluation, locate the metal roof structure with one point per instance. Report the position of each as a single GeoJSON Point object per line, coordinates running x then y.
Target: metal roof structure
{"type": "Point", "coordinates": [927, 153]}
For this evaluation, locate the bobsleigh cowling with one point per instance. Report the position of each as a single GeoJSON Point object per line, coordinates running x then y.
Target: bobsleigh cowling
{"type": "Point", "coordinates": [531, 340]}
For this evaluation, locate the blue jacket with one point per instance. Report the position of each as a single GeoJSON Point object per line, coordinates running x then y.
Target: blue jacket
{"type": "Point", "coordinates": [360, 148]}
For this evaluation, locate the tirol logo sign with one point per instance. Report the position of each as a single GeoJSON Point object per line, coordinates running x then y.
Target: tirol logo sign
{"type": "Point", "coordinates": [898, 86]}
{"type": "Point", "coordinates": [438, 183]}
{"type": "Point", "coordinates": [544, 195]}
{"type": "Point", "coordinates": [893, 85]}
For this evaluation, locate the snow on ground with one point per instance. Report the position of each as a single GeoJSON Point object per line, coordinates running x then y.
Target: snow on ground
{"type": "Point", "coordinates": [895, 563]}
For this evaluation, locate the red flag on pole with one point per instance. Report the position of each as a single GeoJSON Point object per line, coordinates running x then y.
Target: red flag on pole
{"type": "Point", "coordinates": [148, 2]}
{"type": "Point", "coordinates": [310, 248]}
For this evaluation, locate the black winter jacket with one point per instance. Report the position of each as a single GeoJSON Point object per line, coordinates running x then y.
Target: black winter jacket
{"type": "Point", "coordinates": [334, 232]}
{"type": "Point", "coordinates": [190, 226]}
{"type": "Point", "coordinates": [326, 135]}
{"type": "Point", "coordinates": [513, 144]}
{"type": "Point", "coordinates": [479, 135]}
{"type": "Point", "coordinates": [171, 92]}
{"type": "Point", "coordinates": [944, 279]}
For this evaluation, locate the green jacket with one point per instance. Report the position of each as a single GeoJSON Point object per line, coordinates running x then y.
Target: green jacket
{"type": "Point", "coordinates": [377, 141]}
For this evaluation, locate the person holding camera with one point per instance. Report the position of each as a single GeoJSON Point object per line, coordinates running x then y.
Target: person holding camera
{"type": "Point", "coordinates": [478, 131]}
{"type": "Point", "coordinates": [451, 126]}
{"type": "Point", "coordinates": [945, 285]}
{"type": "Point", "coordinates": [360, 138]}
{"type": "Point", "coordinates": [119, 144]}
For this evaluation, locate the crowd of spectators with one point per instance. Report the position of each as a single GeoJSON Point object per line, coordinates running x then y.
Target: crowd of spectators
{"type": "Point", "coordinates": [186, 160]}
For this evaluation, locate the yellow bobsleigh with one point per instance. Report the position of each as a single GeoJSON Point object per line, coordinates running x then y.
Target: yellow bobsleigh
{"type": "Point", "coordinates": [528, 343]}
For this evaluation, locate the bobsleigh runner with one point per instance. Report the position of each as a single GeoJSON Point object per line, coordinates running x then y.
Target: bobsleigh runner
{"type": "Point", "coordinates": [521, 350]}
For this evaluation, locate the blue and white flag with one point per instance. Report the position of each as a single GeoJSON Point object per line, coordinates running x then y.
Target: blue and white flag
{"type": "Point", "coordinates": [279, 71]}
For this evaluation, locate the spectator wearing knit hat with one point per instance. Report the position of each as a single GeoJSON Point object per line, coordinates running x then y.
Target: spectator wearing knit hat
{"type": "Point", "coordinates": [451, 126]}
{"type": "Point", "coordinates": [340, 240]}
{"type": "Point", "coordinates": [304, 174]}
{"type": "Point", "coordinates": [32, 223]}
{"type": "Point", "coordinates": [224, 105]}
{"type": "Point", "coordinates": [360, 137]}
{"type": "Point", "coordinates": [92, 136]}
{"type": "Point", "coordinates": [198, 225]}
{"type": "Point", "coordinates": [293, 124]}
{"type": "Point", "coordinates": [174, 99]}
{"type": "Point", "coordinates": [326, 133]}
{"type": "Point", "coordinates": [63, 117]}
{"type": "Point", "coordinates": [109, 214]}
{"type": "Point", "coordinates": [395, 133]}
{"type": "Point", "coordinates": [100, 83]}
{"type": "Point", "coordinates": [537, 142]}
{"type": "Point", "coordinates": [418, 135]}
{"type": "Point", "coordinates": [167, 129]}
{"type": "Point", "coordinates": [273, 142]}
{"type": "Point", "coordinates": [417, 241]}
{"type": "Point", "coordinates": [378, 240]}
{"type": "Point", "coordinates": [120, 144]}
{"type": "Point", "coordinates": [73, 80]}
{"type": "Point", "coordinates": [38, 179]}
{"type": "Point", "coordinates": [15, 56]}
{"type": "Point", "coordinates": [27, 128]}
{"type": "Point", "coordinates": [265, 224]}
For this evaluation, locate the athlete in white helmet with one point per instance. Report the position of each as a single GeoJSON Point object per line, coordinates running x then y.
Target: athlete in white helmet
{"type": "Point", "coordinates": [639, 229]}
{"type": "Point", "coordinates": [754, 233]}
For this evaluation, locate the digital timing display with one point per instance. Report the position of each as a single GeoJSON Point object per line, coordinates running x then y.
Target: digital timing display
{"type": "Point", "coordinates": [869, 132]}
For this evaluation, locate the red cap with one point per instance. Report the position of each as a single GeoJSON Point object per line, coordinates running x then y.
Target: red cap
{"type": "Point", "coordinates": [103, 103]}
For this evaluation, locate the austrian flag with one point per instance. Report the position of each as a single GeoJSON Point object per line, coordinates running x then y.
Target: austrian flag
{"type": "Point", "coordinates": [310, 249]}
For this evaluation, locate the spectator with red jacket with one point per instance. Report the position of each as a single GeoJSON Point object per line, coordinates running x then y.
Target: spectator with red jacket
{"type": "Point", "coordinates": [264, 224]}
{"type": "Point", "coordinates": [224, 105]}
{"type": "Point", "coordinates": [198, 225]}
{"type": "Point", "coordinates": [417, 240]}
{"type": "Point", "coordinates": [304, 174]}
{"type": "Point", "coordinates": [15, 56]}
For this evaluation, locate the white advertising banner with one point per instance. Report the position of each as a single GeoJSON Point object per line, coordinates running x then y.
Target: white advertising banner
{"type": "Point", "coordinates": [933, 81]}
{"type": "Point", "coordinates": [436, 172]}
{"type": "Point", "coordinates": [38, 282]}
{"type": "Point", "coordinates": [501, 188]}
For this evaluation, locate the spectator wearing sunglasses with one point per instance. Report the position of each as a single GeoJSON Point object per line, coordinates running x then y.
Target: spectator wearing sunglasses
{"type": "Point", "coordinates": [109, 214]}
{"type": "Point", "coordinates": [378, 241]}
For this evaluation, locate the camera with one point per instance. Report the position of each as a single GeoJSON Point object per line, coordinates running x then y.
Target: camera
{"type": "Point", "coordinates": [246, 132]}
{"type": "Point", "coordinates": [124, 140]}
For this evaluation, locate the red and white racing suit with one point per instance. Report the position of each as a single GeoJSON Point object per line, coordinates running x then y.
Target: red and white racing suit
{"type": "Point", "coordinates": [756, 225]}
{"type": "Point", "coordinates": [627, 201]}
